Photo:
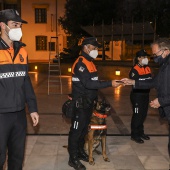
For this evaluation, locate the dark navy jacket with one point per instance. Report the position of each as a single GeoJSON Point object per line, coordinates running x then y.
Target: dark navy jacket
{"type": "Point", "coordinates": [85, 78]}
{"type": "Point", "coordinates": [162, 84]}
{"type": "Point", "coordinates": [15, 85]}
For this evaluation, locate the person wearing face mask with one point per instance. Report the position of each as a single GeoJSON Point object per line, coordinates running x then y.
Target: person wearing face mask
{"type": "Point", "coordinates": [161, 82]}
{"type": "Point", "coordinates": [16, 90]}
{"type": "Point", "coordinates": [139, 97]}
{"type": "Point", "coordinates": [85, 85]}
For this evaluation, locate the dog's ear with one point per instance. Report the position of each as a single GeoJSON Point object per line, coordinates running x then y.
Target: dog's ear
{"type": "Point", "coordinates": [94, 104]}
{"type": "Point", "coordinates": [107, 108]}
{"type": "Point", "coordinates": [98, 106]}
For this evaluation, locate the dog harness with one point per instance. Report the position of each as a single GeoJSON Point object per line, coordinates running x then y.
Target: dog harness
{"type": "Point", "coordinates": [98, 127]}
{"type": "Point", "coordinates": [101, 116]}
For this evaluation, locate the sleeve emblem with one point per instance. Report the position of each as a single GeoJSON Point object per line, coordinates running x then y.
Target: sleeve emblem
{"type": "Point", "coordinates": [133, 74]}
{"type": "Point", "coordinates": [81, 69]}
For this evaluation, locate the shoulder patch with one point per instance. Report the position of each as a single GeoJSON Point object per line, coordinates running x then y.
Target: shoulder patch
{"type": "Point", "coordinates": [81, 69]}
{"type": "Point", "coordinates": [133, 74]}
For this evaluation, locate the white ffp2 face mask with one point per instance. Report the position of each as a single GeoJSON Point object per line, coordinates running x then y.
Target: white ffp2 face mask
{"type": "Point", "coordinates": [93, 53]}
{"type": "Point", "coordinates": [145, 61]}
{"type": "Point", "coordinates": [15, 34]}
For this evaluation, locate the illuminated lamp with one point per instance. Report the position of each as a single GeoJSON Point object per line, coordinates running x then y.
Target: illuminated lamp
{"type": "Point", "coordinates": [69, 70]}
{"type": "Point", "coordinates": [117, 72]}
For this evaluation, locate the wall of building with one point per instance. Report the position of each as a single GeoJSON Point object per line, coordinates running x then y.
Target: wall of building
{"type": "Point", "coordinates": [31, 30]}
{"type": "Point", "coordinates": [56, 8]}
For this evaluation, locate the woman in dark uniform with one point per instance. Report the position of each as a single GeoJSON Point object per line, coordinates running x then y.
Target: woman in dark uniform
{"type": "Point", "coordinates": [139, 97]}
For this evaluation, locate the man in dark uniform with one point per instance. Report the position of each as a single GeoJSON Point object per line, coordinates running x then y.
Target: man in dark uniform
{"type": "Point", "coordinates": [161, 55]}
{"type": "Point", "coordinates": [85, 85]}
{"type": "Point", "coordinates": [15, 91]}
{"type": "Point", "coordinates": [139, 97]}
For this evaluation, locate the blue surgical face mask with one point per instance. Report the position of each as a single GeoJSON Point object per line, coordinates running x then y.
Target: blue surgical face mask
{"type": "Point", "coordinates": [159, 59]}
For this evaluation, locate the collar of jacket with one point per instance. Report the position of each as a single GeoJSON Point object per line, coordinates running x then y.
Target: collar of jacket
{"type": "Point", "coordinates": [87, 56]}
{"type": "Point", "coordinates": [141, 65]}
{"type": "Point", "coordinates": [16, 45]}
{"type": "Point", "coordinates": [166, 60]}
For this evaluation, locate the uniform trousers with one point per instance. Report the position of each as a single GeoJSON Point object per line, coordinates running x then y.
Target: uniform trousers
{"type": "Point", "coordinates": [12, 139]}
{"type": "Point", "coordinates": [78, 130]}
{"type": "Point", "coordinates": [169, 141]}
{"type": "Point", "coordinates": [140, 102]}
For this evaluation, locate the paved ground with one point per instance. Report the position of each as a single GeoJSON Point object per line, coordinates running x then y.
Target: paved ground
{"type": "Point", "coordinates": [44, 147]}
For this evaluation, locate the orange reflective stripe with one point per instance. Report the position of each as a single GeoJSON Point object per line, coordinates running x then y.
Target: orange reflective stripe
{"type": "Point", "coordinates": [148, 70]}
{"type": "Point", "coordinates": [74, 65]}
{"type": "Point", "coordinates": [99, 127]}
{"type": "Point", "coordinates": [89, 64]}
{"type": "Point", "coordinates": [142, 70]}
{"type": "Point", "coordinates": [7, 55]}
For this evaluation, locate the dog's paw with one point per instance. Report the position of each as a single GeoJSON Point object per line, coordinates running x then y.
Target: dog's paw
{"type": "Point", "coordinates": [106, 159]}
{"type": "Point", "coordinates": [91, 161]}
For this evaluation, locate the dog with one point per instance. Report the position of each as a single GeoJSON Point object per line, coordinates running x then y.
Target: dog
{"type": "Point", "coordinates": [97, 131]}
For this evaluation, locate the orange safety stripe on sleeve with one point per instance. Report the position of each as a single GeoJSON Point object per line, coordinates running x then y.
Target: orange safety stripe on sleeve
{"type": "Point", "coordinates": [89, 64]}
{"type": "Point", "coordinates": [142, 70]}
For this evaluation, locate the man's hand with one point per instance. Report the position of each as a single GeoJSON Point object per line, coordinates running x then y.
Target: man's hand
{"type": "Point", "coordinates": [128, 81]}
{"type": "Point", "coordinates": [35, 118]}
{"type": "Point", "coordinates": [155, 103]}
{"type": "Point", "coordinates": [115, 84]}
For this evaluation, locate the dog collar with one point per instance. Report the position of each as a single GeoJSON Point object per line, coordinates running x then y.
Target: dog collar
{"type": "Point", "coordinates": [100, 115]}
{"type": "Point", "coordinates": [98, 127]}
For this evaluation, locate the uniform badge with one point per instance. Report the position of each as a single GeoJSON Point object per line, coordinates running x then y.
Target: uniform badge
{"type": "Point", "coordinates": [133, 74]}
{"type": "Point", "coordinates": [81, 69]}
{"type": "Point", "coordinates": [21, 58]}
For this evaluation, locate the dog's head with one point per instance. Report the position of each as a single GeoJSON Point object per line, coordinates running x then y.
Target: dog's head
{"type": "Point", "coordinates": [100, 112]}
{"type": "Point", "coordinates": [102, 107]}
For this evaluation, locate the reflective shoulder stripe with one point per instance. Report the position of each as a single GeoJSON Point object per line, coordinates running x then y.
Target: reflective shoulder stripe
{"type": "Point", "coordinates": [94, 78]}
{"type": "Point", "coordinates": [75, 79]}
{"type": "Point", "coordinates": [145, 78]}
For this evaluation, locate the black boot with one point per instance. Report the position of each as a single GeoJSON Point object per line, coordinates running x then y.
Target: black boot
{"type": "Point", "coordinates": [75, 163]}
{"type": "Point", "coordinates": [82, 155]}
